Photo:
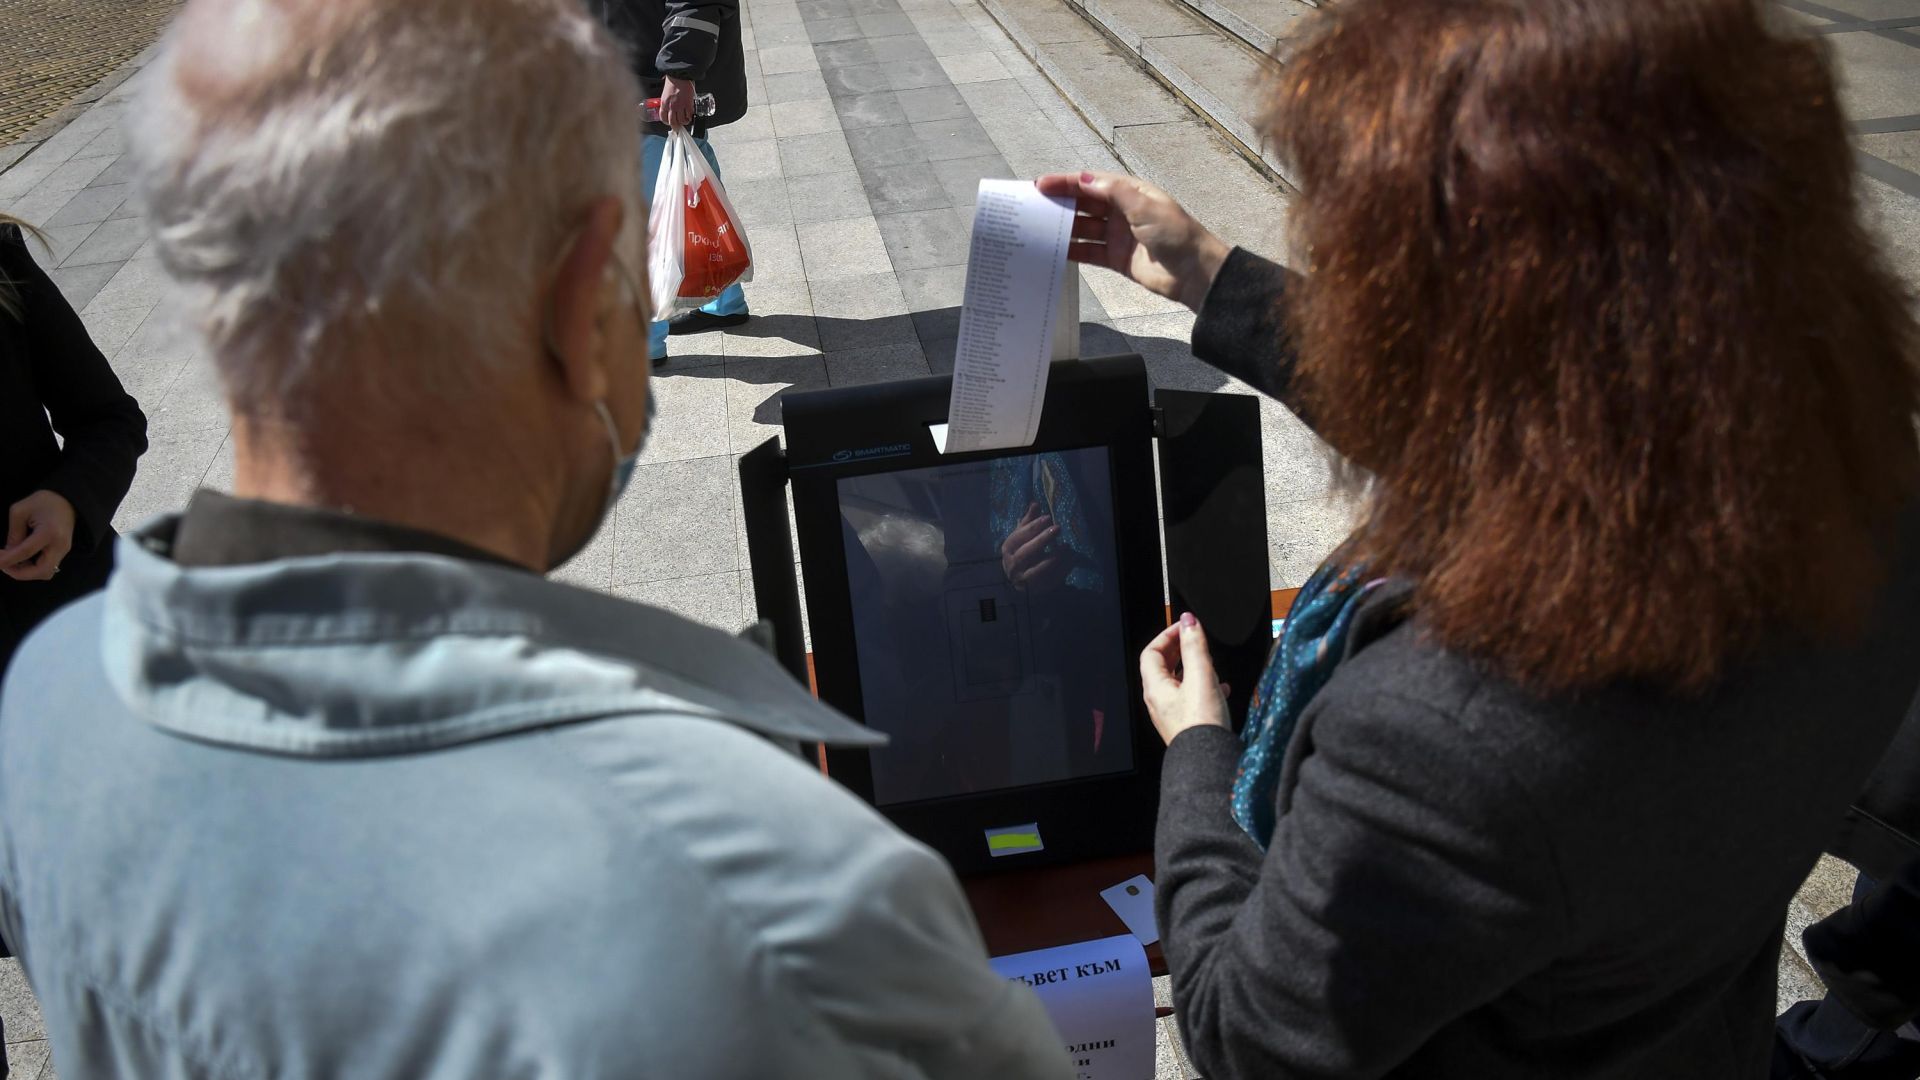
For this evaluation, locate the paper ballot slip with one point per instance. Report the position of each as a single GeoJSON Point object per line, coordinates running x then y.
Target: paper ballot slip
{"type": "Point", "coordinates": [1014, 319]}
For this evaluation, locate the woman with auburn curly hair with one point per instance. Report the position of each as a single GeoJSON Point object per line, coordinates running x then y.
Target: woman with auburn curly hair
{"type": "Point", "coordinates": [1633, 605]}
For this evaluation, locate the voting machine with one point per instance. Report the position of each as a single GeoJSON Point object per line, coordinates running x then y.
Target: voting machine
{"type": "Point", "coordinates": [986, 610]}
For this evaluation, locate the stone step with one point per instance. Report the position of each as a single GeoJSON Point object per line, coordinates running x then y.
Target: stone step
{"type": "Point", "coordinates": [1263, 24]}
{"type": "Point", "coordinates": [1102, 62]}
{"type": "Point", "coordinates": [1213, 72]}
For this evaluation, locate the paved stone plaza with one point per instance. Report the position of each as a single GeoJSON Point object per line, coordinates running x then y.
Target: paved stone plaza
{"type": "Point", "coordinates": [855, 169]}
{"type": "Point", "coordinates": [53, 51]}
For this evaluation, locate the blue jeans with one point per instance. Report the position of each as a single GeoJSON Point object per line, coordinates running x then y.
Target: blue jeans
{"type": "Point", "coordinates": [730, 302]}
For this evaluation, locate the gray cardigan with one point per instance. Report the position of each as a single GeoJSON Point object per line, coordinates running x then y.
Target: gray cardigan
{"type": "Point", "coordinates": [1470, 881]}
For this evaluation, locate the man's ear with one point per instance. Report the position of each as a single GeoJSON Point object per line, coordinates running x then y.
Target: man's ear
{"type": "Point", "coordinates": [583, 294]}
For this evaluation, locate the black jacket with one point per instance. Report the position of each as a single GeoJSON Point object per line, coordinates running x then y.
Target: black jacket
{"type": "Point", "coordinates": [1881, 833]}
{"type": "Point", "coordinates": [53, 379]}
{"type": "Point", "coordinates": [1468, 880]}
{"type": "Point", "coordinates": [688, 39]}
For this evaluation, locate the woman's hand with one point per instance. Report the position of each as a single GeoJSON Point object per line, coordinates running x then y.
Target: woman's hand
{"type": "Point", "coordinates": [1133, 228]}
{"type": "Point", "coordinates": [1024, 557]}
{"type": "Point", "coordinates": [1176, 673]}
{"type": "Point", "coordinates": [39, 535]}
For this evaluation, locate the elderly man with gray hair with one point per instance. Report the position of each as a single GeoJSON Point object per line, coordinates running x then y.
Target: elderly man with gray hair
{"type": "Point", "coordinates": [331, 782]}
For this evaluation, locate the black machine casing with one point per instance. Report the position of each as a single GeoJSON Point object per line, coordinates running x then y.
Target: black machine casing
{"type": "Point", "coordinates": [1216, 529]}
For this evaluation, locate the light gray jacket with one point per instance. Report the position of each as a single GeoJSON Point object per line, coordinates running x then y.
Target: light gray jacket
{"type": "Point", "coordinates": [410, 817]}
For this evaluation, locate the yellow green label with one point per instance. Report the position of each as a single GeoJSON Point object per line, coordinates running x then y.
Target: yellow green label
{"type": "Point", "coordinates": [1014, 840]}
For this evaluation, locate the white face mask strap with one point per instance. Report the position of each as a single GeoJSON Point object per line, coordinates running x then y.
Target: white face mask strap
{"type": "Point", "coordinates": [623, 462]}
{"type": "Point", "coordinates": [613, 432]}
{"type": "Point", "coordinates": [634, 294]}
{"type": "Point", "coordinates": [619, 267]}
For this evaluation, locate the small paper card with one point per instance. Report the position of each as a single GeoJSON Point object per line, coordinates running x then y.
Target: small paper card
{"type": "Point", "coordinates": [1132, 900]}
{"type": "Point", "coordinates": [1099, 996]}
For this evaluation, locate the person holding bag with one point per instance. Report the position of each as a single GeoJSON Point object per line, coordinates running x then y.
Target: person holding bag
{"type": "Point", "coordinates": [1630, 612]}
{"type": "Point", "coordinates": [680, 50]}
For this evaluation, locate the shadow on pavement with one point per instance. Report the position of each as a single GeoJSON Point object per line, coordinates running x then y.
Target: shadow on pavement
{"type": "Point", "coordinates": [851, 351]}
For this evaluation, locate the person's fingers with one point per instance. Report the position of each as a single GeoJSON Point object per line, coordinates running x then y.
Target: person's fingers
{"type": "Point", "coordinates": [1156, 660]}
{"type": "Point", "coordinates": [39, 571]}
{"type": "Point", "coordinates": [676, 107]}
{"type": "Point", "coordinates": [1059, 185]}
{"type": "Point", "coordinates": [1074, 186]}
{"type": "Point", "coordinates": [56, 550]}
{"type": "Point", "coordinates": [17, 516]}
{"type": "Point", "coordinates": [1086, 251]}
{"type": "Point", "coordinates": [1034, 526]}
{"type": "Point", "coordinates": [1103, 185]}
{"type": "Point", "coordinates": [1054, 570]}
{"type": "Point", "coordinates": [1107, 256]}
{"type": "Point", "coordinates": [1024, 532]}
{"type": "Point", "coordinates": [1093, 205]}
{"type": "Point", "coordinates": [17, 553]}
{"type": "Point", "coordinates": [1116, 192]}
{"type": "Point", "coordinates": [1090, 228]}
{"type": "Point", "coordinates": [1035, 548]}
{"type": "Point", "coordinates": [1194, 659]}
{"type": "Point", "coordinates": [1039, 571]}
{"type": "Point", "coordinates": [1128, 197]}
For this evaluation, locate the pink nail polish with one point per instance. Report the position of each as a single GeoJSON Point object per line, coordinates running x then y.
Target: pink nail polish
{"type": "Point", "coordinates": [1187, 620]}
{"type": "Point", "coordinates": [1086, 178]}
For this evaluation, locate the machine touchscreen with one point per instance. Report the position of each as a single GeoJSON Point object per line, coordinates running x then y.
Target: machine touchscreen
{"type": "Point", "coordinates": [988, 623]}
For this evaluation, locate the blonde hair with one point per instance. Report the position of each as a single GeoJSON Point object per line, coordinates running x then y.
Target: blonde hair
{"type": "Point", "coordinates": [10, 289]}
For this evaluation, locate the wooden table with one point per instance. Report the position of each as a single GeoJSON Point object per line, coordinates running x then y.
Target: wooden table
{"type": "Point", "coordinates": [1023, 910]}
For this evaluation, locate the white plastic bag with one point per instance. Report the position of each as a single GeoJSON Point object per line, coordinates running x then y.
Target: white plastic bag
{"type": "Point", "coordinates": [666, 232]}
{"type": "Point", "coordinates": [696, 246]}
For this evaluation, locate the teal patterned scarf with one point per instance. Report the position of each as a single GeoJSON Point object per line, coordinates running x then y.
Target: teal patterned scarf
{"type": "Point", "coordinates": [1311, 646]}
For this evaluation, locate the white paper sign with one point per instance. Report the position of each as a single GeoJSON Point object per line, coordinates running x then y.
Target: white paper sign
{"type": "Point", "coordinates": [1099, 996]}
{"type": "Point", "coordinates": [1016, 269]}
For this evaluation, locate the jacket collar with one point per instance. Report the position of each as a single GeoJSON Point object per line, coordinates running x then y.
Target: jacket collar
{"type": "Point", "coordinates": [1382, 611]}
{"type": "Point", "coordinates": [349, 655]}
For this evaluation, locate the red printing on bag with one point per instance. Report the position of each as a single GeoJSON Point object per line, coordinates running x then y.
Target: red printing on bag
{"type": "Point", "coordinates": [714, 255]}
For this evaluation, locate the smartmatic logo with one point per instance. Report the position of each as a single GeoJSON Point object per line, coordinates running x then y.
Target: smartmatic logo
{"type": "Point", "coordinates": [841, 457]}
